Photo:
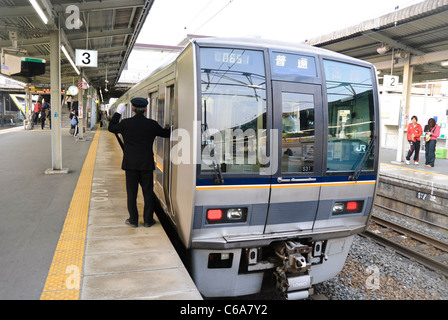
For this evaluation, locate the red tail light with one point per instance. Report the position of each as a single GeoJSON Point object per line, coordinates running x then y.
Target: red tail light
{"type": "Point", "coordinates": [352, 205]}
{"type": "Point", "coordinates": [214, 214]}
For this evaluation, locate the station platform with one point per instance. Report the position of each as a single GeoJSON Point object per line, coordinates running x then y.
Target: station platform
{"type": "Point", "coordinates": [436, 176]}
{"type": "Point", "coordinates": [81, 249]}
{"type": "Point", "coordinates": [119, 262]}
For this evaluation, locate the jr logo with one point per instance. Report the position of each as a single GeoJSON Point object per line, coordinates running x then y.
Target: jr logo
{"type": "Point", "coordinates": [73, 21]}
{"type": "Point", "coordinates": [361, 148]}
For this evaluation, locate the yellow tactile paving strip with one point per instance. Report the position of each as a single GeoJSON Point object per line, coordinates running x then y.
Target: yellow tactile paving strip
{"type": "Point", "coordinates": [64, 276]}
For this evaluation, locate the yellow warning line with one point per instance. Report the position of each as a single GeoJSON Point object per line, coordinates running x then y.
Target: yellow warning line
{"type": "Point", "coordinates": [64, 277]}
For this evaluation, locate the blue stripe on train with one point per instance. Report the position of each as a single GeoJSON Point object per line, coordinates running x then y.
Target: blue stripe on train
{"type": "Point", "coordinates": [267, 180]}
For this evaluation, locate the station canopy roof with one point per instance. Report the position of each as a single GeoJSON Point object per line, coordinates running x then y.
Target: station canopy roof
{"type": "Point", "coordinates": [419, 31]}
{"type": "Point", "coordinates": [109, 26]}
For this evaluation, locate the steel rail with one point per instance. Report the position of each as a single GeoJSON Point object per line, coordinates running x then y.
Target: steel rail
{"type": "Point", "coordinates": [411, 233]}
{"type": "Point", "coordinates": [407, 251]}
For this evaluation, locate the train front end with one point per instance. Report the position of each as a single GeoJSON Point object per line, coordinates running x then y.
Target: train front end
{"type": "Point", "coordinates": [288, 165]}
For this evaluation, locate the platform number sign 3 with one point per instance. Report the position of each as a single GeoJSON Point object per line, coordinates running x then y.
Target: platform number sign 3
{"type": "Point", "coordinates": [86, 58]}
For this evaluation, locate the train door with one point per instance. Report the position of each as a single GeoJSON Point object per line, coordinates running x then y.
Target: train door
{"type": "Point", "coordinates": [297, 117]}
{"type": "Point", "coordinates": [159, 145]}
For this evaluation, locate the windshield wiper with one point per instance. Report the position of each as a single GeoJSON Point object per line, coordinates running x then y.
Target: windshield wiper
{"type": "Point", "coordinates": [218, 174]}
{"type": "Point", "coordinates": [357, 172]}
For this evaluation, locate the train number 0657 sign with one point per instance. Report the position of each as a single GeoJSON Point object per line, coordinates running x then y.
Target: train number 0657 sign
{"type": "Point", "coordinates": [86, 58]}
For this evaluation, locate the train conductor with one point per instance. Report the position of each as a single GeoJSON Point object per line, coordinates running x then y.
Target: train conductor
{"type": "Point", "coordinates": [138, 134]}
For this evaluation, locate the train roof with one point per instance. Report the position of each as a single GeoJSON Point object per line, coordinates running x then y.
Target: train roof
{"type": "Point", "coordinates": [275, 44]}
{"type": "Point", "coordinates": [259, 43]}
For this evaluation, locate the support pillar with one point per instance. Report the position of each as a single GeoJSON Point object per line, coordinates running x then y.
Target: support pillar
{"type": "Point", "coordinates": [404, 110]}
{"type": "Point", "coordinates": [28, 106]}
{"type": "Point", "coordinates": [81, 109]}
{"type": "Point", "coordinates": [55, 83]}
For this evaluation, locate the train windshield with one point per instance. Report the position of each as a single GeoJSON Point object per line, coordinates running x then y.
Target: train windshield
{"type": "Point", "coordinates": [350, 116]}
{"type": "Point", "coordinates": [233, 131]}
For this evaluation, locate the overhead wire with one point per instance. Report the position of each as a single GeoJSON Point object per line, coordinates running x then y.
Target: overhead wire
{"type": "Point", "coordinates": [164, 56]}
{"type": "Point", "coordinates": [225, 6]}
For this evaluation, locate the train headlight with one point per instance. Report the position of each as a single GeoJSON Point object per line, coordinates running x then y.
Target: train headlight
{"type": "Point", "coordinates": [226, 215]}
{"type": "Point", "coordinates": [338, 208]}
{"type": "Point", "coordinates": [235, 214]}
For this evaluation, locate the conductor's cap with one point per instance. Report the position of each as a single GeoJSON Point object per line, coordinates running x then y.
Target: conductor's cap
{"type": "Point", "coordinates": [139, 102]}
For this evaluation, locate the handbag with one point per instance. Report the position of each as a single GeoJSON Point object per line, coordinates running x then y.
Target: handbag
{"type": "Point", "coordinates": [428, 134]}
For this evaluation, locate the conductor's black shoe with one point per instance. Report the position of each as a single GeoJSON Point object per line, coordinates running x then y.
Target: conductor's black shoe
{"type": "Point", "coordinates": [148, 224]}
{"type": "Point", "coordinates": [130, 224]}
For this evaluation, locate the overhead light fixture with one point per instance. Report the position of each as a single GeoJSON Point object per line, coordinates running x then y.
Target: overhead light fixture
{"type": "Point", "coordinates": [69, 59]}
{"type": "Point", "coordinates": [383, 49]}
{"type": "Point", "coordinates": [401, 54]}
{"type": "Point", "coordinates": [39, 11]}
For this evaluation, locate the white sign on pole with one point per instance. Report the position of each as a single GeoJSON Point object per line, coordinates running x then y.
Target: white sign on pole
{"type": "Point", "coordinates": [390, 81]}
{"type": "Point", "coordinates": [86, 58]}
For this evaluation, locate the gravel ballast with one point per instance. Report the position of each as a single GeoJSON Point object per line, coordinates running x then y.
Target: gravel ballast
{"type": "Point", "coordinates": [373, 272]}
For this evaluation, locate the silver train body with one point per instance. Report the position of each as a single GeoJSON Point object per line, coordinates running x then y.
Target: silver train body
{"type": "Point", "coordinates": [272, 165]}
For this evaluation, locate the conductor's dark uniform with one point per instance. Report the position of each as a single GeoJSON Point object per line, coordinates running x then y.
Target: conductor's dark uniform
{"type": "Point", "coordinates": [138, 134]}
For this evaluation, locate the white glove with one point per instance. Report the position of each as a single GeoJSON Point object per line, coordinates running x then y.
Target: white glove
{"type": "Point", "coordinates": [121, 107]}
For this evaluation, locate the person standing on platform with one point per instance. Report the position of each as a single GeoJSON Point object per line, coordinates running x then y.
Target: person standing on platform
{"type": "Point", "coordinates": [37, 111]}
{"type": "Point", "coordinates": [42, 119]}
{"type": "Point", "coordinates": [68, 100]}
{"type": "Point", "coordinates": [48, 113]}
{"type": "Point", "coordinates": [432, 133]}
{"type": "Point", "coordinates": [44, 113]}
{"type": "Point", "coordinates": [103, 119]}
{"type": "Point", "coordinates": [74, 122]}
{"type": "Point", "coordinates": [138, 134]}
{"type": "Point", "coordinates": [75, 105]}
{"type": "Point", "coordinates": [414, 132]}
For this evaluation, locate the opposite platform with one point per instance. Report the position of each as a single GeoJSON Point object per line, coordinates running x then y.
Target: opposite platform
{"type": "Point", "coordinates": [436, 177]}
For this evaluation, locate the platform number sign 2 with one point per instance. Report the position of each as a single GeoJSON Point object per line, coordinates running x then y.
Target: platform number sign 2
{"type": "Point", "coordinates": [390, 81]}
{"type": "Point", "coordinates": [86, 58]}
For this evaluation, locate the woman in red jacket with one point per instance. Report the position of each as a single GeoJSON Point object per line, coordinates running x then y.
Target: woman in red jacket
{"type": "Point", "coordinates": [414, 132]}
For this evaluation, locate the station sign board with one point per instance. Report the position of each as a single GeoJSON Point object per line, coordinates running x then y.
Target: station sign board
{"type": "Point", "coordinates": [390, 81]}
{"type": "Point", "coordinates": [86, 58]}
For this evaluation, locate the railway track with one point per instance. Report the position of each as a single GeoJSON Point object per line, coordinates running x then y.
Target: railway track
{"type": "Point", "coordinates": [424, 249]}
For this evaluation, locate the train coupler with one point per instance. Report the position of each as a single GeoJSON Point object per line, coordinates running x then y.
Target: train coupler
{"type": "Point", "coordinates": [296, 257]}
{"type": "Point", "coordinates": [292, 275]}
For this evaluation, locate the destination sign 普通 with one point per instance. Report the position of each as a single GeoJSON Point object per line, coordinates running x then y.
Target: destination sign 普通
{"type": "Point", "coordinates": [293, 65]}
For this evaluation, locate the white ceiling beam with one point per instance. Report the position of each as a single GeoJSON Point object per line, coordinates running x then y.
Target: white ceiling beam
{"type": "Point", "coordinates": [432, 57]}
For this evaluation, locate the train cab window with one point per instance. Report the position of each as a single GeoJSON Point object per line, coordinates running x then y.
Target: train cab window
{"type": "Point", "coordinates": [233, 131]}
{"type": "Point", "coordinates": [350, 115]}
{"type": "Point", "coordinates": [298, 132]}
{"type": "Point", "coordinates": [153, 101]}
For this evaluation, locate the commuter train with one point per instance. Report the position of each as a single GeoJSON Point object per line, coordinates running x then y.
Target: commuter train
{"type": "Point", "coordinates": [272, 163]}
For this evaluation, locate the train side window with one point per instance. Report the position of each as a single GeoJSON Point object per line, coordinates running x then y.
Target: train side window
{"type": "Point", "coordinates": [160, 118]}
{"type": "Point", "coordinates": [160, 112]}
{"type": "Point", "coordinates": [152, 105]}
{"type": "Point", "coordinates": [351, 117]}
{"type": "Point", "coordinates": [298, 132]}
